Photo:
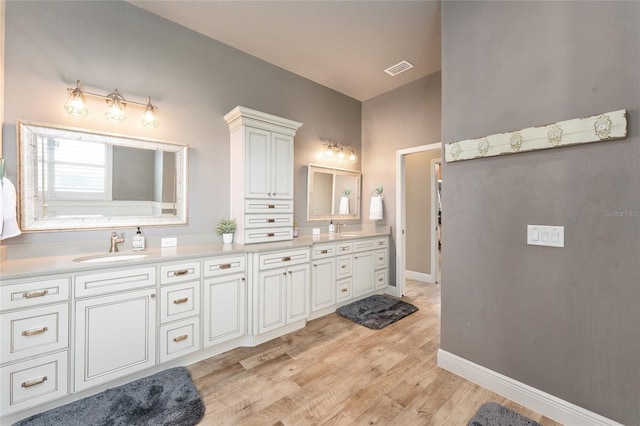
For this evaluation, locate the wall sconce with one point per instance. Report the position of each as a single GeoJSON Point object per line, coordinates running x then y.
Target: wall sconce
{"type": "Point", "coordinates": [116, 104]}
{"type": "Point", "coordinates": [339, 152]}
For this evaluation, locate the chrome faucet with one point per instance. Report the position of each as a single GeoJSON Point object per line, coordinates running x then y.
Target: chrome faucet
{"type": "Point", "coordinates": [338, 225]}
{"type": "Point", "coordinates": [115, 240]}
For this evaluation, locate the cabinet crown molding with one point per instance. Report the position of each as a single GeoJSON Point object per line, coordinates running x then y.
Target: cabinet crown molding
{"type": "Point", "coordinates": [243, 116]}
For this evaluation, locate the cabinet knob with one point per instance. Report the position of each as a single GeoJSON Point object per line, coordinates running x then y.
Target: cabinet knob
{"type": "Point", "coordinates": [153, 295]}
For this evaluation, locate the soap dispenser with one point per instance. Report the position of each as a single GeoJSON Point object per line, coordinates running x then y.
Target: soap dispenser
{"type": "Point", "coordinates": [138, 240]}
{"type": "Point", "coordinates": [332, 227]}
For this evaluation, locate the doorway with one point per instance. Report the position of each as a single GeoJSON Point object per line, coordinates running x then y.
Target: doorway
{"type": "Point", "coordinates": [417, 230]}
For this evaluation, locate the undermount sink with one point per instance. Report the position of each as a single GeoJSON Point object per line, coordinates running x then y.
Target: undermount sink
{"type": "Point", "coordinates": [107, 258]}
{"type": "Point", "coordinates": [349, 235]}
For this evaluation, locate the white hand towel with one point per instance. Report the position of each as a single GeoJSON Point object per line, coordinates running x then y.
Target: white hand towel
{"type": "Point", "coordinates": [375, 210]}
{"type": "Point", "coordinates": [344, 205]}
{"type": "Point", "coordinates": [9, 222]}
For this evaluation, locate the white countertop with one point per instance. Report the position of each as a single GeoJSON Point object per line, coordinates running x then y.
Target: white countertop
{"type": "Point", "coordinates": [12, 269]}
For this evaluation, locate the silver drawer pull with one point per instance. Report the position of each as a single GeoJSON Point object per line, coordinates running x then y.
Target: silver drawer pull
{"type": "Point", "coordinates": [344, 290]}
{"type": "Point", "coordinates": [381, 258]}
{"type": "Point", "coordinates": [271, 220]}
{"type": "Point", "coordinates": [31, 294]}
{"type": "Point", "coordinates": [180, 273]}
{"type": "Point", "coordinates": [180, 301]}
{"type": "Point", "coordinates": [225, 266]}
{"type": "Point", "coordinates": [30, 383]}
{"type": "Point", "coordinates": [286, 258]}
{"type": "Point", "coordinates": [324, 251]}
{"type": "Point", "coordinates": [181, 338]}
{"type": "Point", "coordinates": [271, 206]}
{"type": "Point", "coordinates": [344, 248]}
{"type": "Point", "coordinates": [380, 243]}
{"type": "Point", "coordinates": [380, 279]}
{"type": "Point", "coordinates": [35, 331]}
{"type": "Point", "coordinates": [343, 266]}
{"type": "Point", "coordinates": [271, 234]}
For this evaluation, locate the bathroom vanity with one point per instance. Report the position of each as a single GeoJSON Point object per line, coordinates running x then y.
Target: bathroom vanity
{"type": "Point", "coordinates": [71, 329]}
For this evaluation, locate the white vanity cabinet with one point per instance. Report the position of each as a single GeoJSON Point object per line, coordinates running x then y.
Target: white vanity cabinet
{"type": "Point", "coordinates": [225, 299]}
{"type": "Point", "coordinates": [323, 265]}
{"type": "Point", "coordinates": [115, 324]}
{"type": "Point", "coordinates": [281, 289]}
{"type": "Point", "coordinates": [261, 175]}
{"type": "Point", "coordinates": [369, 265]}
{"type": "Point", "coordinates": [179, 331]}
{"type": "Point", "coordinates": [34, 325]}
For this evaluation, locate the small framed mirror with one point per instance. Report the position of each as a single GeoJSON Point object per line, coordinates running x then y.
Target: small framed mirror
{"type": "Point", "coordinates": [332, 193]}
{"type": "Point", "coordinates": [73, 179]}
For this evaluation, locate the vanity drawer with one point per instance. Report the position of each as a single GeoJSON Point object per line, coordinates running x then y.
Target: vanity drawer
{"type": "Point", "coordinates": [268, 220]}
{"type": "Point", "coordinates": [32, 293]}
{"type": "Point", "coordinates": [382, 242]}
{"type": "Point", "coordinates": [343, 290]}
{"type": "Point", "coordinates": [343, 266]}
{"type": "Point", "coordinates": [34, 382]}
{"type": "Point", "coordinates": [179, 272]}
{"type": "Point", "coordinates": [113, 281]}
{"type": "Point", "coordinates": [381, 259]}
{"type": "Point", "coordinates": [34, 331]}
{"type": "Point", "coordinates": [323, 250]}
{"type": "Point", "coordinates": [268, 206]}
{"type": "Point", "coordinates": [283, 259]}
{"type": "Point", "coordinates": [179, 301]}
{"type": "Point", "coordinates": [179, 338]}
{"type": "Point", "coordinates": [265, 235]}
{"type": "Point", "coordinates": [364, 245]}
{"type": "Point", "coordinates": [344, 248]}
{"type": "Point", "coordinates": [224, 265]}
{"type": "Point", "coordinates": [381, 279]}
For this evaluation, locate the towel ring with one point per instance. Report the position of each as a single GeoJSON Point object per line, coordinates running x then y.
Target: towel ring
{"type": "Point", "coordinates": [377, 191]}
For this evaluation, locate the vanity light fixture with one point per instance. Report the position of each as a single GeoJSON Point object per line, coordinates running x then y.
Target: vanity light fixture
{"type": "Point", "coordinates": [116, 104]}
{"type": "Point", "coordinates": [337, 151]}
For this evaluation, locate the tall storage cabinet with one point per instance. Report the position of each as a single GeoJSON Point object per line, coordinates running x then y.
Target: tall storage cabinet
{"type": "Point", "coordinates": [261, 175]}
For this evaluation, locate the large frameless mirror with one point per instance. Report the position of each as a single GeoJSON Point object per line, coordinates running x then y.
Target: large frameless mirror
{"type": "Point", "coordinates": [332, 193]}
{"type": "Point", "coordinates": [72, 179]}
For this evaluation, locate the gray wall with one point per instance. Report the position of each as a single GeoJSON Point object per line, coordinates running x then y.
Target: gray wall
{"type": "Point", "coordinates": [402, 118]}
{"type": "Point", "coordinates": [192, 79]}
{"type": "Point", "coordinates": [418, 192]}
{"type": "Point", "coordinates": [563, 320]}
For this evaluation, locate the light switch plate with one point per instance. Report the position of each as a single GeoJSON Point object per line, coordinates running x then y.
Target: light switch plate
{"type": "Point", "coordinates": [168, 242]}
{"type": "Point", "coordinates": [545, 235]}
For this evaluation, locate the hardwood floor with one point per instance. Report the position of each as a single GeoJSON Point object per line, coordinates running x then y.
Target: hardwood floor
{"type": "Point", "coordinates": [335, 372]}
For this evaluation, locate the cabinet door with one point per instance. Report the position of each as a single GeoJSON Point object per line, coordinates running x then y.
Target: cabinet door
{"type": "Point", "coordinates": [322, 283]}
{"type": "Point", "coordinates": [271, 299]}
{"type": "Point", "coordinates": [115, 336]}
{"type": "Point", "coordinates": [363, 277]}
{"type": "Point", "coordinates": [282, 166]}
{"type": "Point", "coordinates": [297, 293]}
{"type": "Point", "coordinates": [224, 308]}
{"type": "Point", "coordinates": [257, 159]}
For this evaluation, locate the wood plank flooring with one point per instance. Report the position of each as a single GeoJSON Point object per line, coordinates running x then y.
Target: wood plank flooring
{"type": "Point", "coordinates": [335, 372]}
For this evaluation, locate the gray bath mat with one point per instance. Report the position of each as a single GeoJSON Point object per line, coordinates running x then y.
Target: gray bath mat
{"type": "Point", "coordinates": [165, 398]}
{"type": "Point", "coordinates": [377, 311]}
{"type": "Point", "coordinates": [493, 414]}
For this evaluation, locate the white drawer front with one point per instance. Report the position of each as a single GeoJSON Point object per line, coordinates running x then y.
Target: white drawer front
{"type": "Point", "coordinates": [282, 259]}
{"type": "Point", "coordinates": [179, 338]}
{"type": "Point", "coordinates": [268, 220]}
{"type": "Point", "coordinates": [343, 290]}
{"type": "Point", "coordinates": [322, 251]}
{"type": "Point", "coordinates": [224, 265]}
{"type": "Point", "coordinates": [180, 272]}
{"type": "Point", "coordinates": [112, 281]}
{"type": "Point", "coordinates": [268, 206]}
{"type": "Point", "coordinates": [344, 266]}
{"type": "Point", "coordinates": [381, 279]}
{"type": "Point", "coordinates": [33, 293]}
{"type": "Point", "coordinates": [179, 301]}
{"type": "Point", "coordinates": [34, 331]}
{"type": "Point", "coordinates": [382, 242]}
{"type": "Point", "coordinates": [381, 259]}
{"type": "Point", "coordinates": [30, 383]}
{"type": "Point", "coordinates": [344, 248]}
{"type": "Point", "coordinates": [265, 235]}
{"type": "Point", "coordinates": [363, 245]}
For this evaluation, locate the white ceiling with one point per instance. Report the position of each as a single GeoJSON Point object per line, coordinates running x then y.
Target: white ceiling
{"type": "Point", "coordinates": [344, 45]}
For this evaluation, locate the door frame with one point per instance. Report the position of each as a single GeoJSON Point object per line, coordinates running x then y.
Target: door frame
{"type": "Point", "coordinates": [401, 214]}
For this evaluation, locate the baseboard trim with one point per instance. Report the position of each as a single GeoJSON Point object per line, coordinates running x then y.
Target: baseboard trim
{"type": "Point", "coordinates": [420, 276]}
{"type": "Point", "coordinates": [535, 399]}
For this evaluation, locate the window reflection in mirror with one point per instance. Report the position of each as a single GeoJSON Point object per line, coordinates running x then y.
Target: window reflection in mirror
{"type": "Point", "coordinates": [77, 179]}
{"type": "Point", "coordinates": [332, 193]}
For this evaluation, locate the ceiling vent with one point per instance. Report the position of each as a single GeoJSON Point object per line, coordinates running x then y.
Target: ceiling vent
{"type": "Point", "coordinates": [398, 68]}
